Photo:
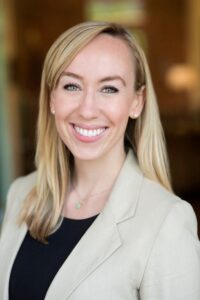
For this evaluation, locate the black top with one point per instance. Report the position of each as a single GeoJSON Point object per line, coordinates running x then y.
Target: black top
{"type": "Point", "coordinates": [36, 264]}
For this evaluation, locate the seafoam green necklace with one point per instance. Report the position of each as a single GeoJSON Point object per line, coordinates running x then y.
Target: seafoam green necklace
{"type": "Point", "coordinates": [82, 201]}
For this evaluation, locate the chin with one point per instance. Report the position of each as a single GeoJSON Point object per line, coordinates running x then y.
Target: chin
{"type": "Point", "coordinates": [88, 157]}
{"type": "Point", "coordinates": [87, 154]}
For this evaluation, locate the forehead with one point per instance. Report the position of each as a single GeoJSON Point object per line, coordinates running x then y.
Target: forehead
{"type": "Point", "coordinates": [103, 54]}
{"type": "Point", "coordinates": [106, 42]}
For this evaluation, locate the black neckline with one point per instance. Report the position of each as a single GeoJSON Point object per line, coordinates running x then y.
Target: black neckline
{"type": "Point", "coordinates": [66, 219]}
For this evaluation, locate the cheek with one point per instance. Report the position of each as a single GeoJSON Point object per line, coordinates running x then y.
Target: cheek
{"type": "Point", "coordinates": [63, 107]}
{"type": "Point", "coordinates": [119, 113]}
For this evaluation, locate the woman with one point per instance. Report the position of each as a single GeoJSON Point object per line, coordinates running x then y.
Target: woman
{"type": "Point", "coordinates": [98, 220]}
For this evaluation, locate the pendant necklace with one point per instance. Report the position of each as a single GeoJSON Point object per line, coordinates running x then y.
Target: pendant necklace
{"type": "Point", "coordinates": [81, 200]}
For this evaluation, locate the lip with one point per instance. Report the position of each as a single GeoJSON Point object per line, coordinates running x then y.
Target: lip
{"type": "Point", "coordinates": [88, 139]}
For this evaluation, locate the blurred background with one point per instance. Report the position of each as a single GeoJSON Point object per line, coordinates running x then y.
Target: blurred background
{"type": "Point", "coordinates": [169, 33]}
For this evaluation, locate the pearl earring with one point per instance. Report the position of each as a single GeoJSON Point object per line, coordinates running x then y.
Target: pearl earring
{"type": "Point", "coordinates": [134, 116]}
{"type": "Point", "coordinates": [53, 111]}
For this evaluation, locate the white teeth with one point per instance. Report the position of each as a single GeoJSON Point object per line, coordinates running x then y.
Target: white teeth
{"type": "Point", "coordinates": [90, 132]}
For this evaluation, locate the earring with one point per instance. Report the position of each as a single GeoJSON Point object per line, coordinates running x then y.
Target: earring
{"type": "Point", "coordinates": [53, 111]}
{"type": "Point", "coordinates": [133, 115]}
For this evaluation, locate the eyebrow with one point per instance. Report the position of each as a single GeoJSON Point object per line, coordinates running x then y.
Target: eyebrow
{"type": "Point", "coordinates": [108, 78]}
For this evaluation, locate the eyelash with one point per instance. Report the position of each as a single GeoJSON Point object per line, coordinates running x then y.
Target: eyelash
{"type": "Point", "coordinates": [71, 87]}
{"type": "Point", "coordinates": [110, 89]}
{"type": "Point", "coordinates": [106, 89]}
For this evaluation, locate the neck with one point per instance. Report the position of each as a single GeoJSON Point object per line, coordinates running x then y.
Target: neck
{"type": "Point", "coordinates": [93, 176]}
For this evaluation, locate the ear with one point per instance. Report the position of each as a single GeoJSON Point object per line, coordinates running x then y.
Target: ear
{"type": "Point", "coordinates": [52, 106]}
{"type": "Point", "coordinates": [138, 103]}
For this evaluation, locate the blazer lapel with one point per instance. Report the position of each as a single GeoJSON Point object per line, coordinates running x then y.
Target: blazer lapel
{"type": "Point", "coordinates": [96, 245]}
{"type": "Point", "coordinates": [102, 238]}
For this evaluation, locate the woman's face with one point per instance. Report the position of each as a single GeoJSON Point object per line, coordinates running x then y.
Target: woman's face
{"type": "Point", "coordinates": [95, 97]}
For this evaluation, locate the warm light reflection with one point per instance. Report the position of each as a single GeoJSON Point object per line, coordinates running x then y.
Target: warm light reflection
{"type": "Point", "coordinates": [182, 77]}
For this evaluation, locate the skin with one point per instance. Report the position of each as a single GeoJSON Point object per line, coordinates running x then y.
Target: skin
{"type": "Point", "coordinates": [92, 103]}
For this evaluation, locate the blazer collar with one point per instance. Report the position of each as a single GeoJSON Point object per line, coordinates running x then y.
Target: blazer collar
{"type": "Point", "coordinates": [102, 238]}
{"type": "Point", "coordinates": [125, 194]}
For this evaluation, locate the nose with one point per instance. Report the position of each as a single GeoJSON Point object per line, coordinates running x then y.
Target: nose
{"type": "Point", "coordinates": [88, 108]}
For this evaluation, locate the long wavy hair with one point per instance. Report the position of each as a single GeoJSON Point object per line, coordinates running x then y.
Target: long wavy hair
{"type": "Point", "coordinates": [42, 209]}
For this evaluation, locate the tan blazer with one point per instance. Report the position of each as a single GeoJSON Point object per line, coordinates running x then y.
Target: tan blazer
{"type": "Point", "coordinates": [143, 245]}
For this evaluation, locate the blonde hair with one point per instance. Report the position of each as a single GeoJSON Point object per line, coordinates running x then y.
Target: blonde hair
{"type": "Point", "coordinates": [43, 206]}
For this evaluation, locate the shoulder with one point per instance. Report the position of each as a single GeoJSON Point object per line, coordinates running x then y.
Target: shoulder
{"type": "Point", "coordinates": [155, 195]}
{"type": "Point", "coordinates": [156, 192]}
{"type": "Point", "coordinates": [152, 194]}
{"type": "Point", "coordinates": [17, 192]}
{"type": "Point", "coordinates": [22, 184]}
{"type": "Point", "coordinates": [164, 209]}
{"type": "Point", "coordinates": [152, 202]}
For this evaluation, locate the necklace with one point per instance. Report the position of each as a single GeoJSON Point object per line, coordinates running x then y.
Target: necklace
{"type": "Point", "coordinates": [81, 200]}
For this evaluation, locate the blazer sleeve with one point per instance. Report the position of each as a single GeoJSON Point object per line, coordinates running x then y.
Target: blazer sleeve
{"type": "Point", "coordinates": [173, 268]}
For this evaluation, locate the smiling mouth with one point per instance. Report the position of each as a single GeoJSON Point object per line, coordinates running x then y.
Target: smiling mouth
{"type": "Point", "coordinates": [89, 132]}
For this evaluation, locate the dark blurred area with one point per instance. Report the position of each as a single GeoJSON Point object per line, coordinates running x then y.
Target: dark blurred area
{"type": "Point", "coordinates": [168, 31]}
